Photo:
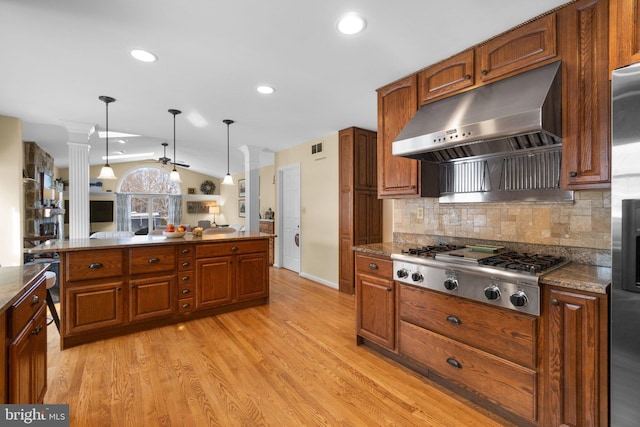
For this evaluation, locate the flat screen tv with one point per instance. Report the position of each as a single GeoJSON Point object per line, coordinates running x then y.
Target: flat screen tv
{"type": "Point", "coordinates": [101, 211]}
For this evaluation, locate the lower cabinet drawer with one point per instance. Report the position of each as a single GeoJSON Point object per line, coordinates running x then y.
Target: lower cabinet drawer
{"type": "Point", "coordinates": [231, 248]}
{"type": "Point", "coordinates": [26, 307]}
{"type": "Point", "coordinates": [186, 277]}
{"type": "Point", "coordinates": [152, 260]}
{"type": "Point", "coordinates": [185, 305]}
{"type": "Point", "coordinates": [185, 291]}
{"type": "Point", "coordinates": [504, 383]}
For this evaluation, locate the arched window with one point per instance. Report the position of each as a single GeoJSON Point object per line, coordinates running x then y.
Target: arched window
{"type": "Point", "coordinates": [147, 200]}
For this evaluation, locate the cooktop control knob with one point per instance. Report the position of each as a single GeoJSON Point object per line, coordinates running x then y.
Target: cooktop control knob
{"type": "Point", "coordinates": [492, 292]}
{"type": "Point", "coordinates": [519, 299]}
{"type": "Point", "coordinates": [451, 283]}
{"type": "Point", "coordinates": [417, 277]}
{"type": "Point", "coordinates": [402, 273]}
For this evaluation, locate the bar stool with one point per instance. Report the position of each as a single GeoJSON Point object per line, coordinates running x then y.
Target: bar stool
{"type": "Point", "coordinates": [50, 279]}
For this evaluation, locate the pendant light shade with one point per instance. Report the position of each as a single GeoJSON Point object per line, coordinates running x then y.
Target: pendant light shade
{"type": "Point", "coordinates": [175, 176]}
{"type": "Point", "coordinates": [106, 172]}
{"type": "Point", "coordinates": [228, 180]}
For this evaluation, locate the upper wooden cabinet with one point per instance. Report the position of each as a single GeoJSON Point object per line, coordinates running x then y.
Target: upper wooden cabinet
{"type": "Point", "coordinates": [625, 35]}
{"type": "Point", "coordinates": [446, 77]}
{"type": "Point", "coordinates": [397, 103]}
{"type": "Point", "coordinates": [519, 48]}
{"type": "Point", "coordinates": [586, 99]}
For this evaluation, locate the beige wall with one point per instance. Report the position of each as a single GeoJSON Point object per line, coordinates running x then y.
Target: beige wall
{"type": "Point", "coordinates": [319, 207]}
{"type": "Point", "coordinates": [229, 193]}
{"type": "Point", "coordinates": [586, 223]}
{"type": "Point", "coordinates": [11, 208]}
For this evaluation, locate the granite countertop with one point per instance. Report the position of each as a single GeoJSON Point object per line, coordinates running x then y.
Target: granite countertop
{"type": "Point", "coordinates": [83, 244]}
{"type": "Point", "coordinates": [15, 280]}
{"type": "Point", "coordinates": [581, 277]}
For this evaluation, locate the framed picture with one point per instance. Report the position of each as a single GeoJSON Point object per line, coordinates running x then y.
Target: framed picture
{"type": "Point", "coordinates": [241, 188]}
{"type": "Point", "coordinates": [241, 208]}
{"type": "Point", "coordinates": [191, 190]}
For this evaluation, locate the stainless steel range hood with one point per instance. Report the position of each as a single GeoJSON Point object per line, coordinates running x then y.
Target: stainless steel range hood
{"type": "Point", "coordinates": [517, 113]}
{"type": "Point", "coordinates": [499, 142]}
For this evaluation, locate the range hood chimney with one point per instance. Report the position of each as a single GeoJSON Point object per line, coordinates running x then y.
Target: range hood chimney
{"type": "Point", "coordinates": [517, 113]}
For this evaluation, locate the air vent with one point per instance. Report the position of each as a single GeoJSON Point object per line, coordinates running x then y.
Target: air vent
{"type": "Point", "coordinates": [316, 148]}
{"type": "Point", "coordinates": [534, 171]}
{"type": "Point", "coordinates": [464, 177]}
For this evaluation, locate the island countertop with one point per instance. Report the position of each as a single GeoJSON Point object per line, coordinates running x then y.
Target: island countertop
{"type": "Point", "coordinates": [15, 280]}
{"type": "Point", "coordinates": [72, 245]}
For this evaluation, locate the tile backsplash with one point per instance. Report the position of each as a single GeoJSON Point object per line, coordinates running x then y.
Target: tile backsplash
{"type": "Point", "coordinates": [585, 223]}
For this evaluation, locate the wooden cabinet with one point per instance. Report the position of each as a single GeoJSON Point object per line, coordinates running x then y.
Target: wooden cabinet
{"type": "Point", "coordinates": [488, 350]}
{"type": "Point", "coordinates": [397, 103]}
{"type": "Point", "coordinates": [375, 301]}
{"type": "Point", "coordinates": [447, 77]}
{"type": "Point", "coordinates": [576, 363]}
{"type": "Point", "coordinates": [231, 272]}
{"type": "Point", "coordinates": [268, 226]}
{"type": "Point", "coordinates": [586, 140]}
{"type": "Point", "coordinates": [360, 209]}
{"type": "Point", "coordinates": [27, 351]}
{"type": "Point", "coordinates": [90, 307]}
{"type": "Point", "coordinates": [152, 297]}
{"type": "Point", "coordinates": [517, 49]}
{"type": "Point", "coordinates": [624, 36]}
{"type": "Point", "coordinates": [186, 278]}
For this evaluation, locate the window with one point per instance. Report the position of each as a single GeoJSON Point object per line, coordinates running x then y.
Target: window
{"type": "Point", "coordinates": [149, 188]}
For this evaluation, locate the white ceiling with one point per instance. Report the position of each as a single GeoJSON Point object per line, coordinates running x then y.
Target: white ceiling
{"type": "Point", "coordinates": [59, 56]}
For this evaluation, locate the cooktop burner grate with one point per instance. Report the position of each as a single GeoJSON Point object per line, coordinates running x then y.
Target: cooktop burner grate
{"type": "Point", "coordinates": [522, 262]}
{"type": "Point", "coordinates": [431, 250]}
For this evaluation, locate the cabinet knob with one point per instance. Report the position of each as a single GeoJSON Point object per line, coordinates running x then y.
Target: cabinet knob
{"type": "Point", "coordinates": [453, 362]}
{"type": "Point", "coordinates": [186, 251]}
{"type": "Point", "coordinates": [235, 249]}
{"type": "Point", "coordinates": [185, 264]}
{"type": "Point", "coordinates": [554, 302]}
{"type": "Point", "coordinates": [484, 72]}
{"type": "Point", "coordinates": [95, 265]}
{"type": "Point", "coordinates": [184, 278]}
{"type": "Point", "coordinates": [118, 289]}
{"type": "Point", "coordinates": [185, 291]}
{"type": "Point", "coordinates": [373, 266]}
{"type": "Point", "coordinates": [185, 305]}
{"type": "Point", "coordinates": [153, 260]}
{"type": "Point", "coordinates": [36, 331]}
{"type": "Point", "coordinates": [454, 320]}
{"type": "Point", "coordinates": [573, 174]}
{"type": "Point", "coordinates": [35, 300]}
{"type": "Point", "coordinates": [133, 286]}
{"type": "Point", "coordinates": [389, 289]}
{"type": "Point", "coordinates": [467, 77]}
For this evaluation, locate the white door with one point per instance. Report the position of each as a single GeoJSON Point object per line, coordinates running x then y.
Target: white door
{"type": "Point", "coordinates": [289, 179]}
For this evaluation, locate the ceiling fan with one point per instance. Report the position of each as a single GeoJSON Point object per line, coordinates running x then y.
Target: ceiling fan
{"type": "Point", "coordinates": [167, 161]}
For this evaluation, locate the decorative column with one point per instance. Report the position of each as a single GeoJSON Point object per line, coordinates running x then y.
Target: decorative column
{"type": "Point", "coordinates": [80, 135]}
{"type": "Point", "coordinates": [252, 189]}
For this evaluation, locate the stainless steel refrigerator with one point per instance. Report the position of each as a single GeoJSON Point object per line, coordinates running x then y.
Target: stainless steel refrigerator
{"type": "Point", "coordinates": [624, 393]}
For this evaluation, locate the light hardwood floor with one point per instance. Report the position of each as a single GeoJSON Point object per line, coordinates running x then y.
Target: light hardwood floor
{"type": "Point", "coordinates": [293, 362]}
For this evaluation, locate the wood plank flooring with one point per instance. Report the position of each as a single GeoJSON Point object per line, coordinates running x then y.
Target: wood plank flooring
{"type": "Point", "coordinates": [293, 362]}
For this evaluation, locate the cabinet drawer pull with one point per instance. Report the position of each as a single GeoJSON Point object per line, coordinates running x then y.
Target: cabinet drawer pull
{"type": "Point", "coordinates": [153, 260]}
{"type": "Point", "coordinates": [554, 302]}
{"type": "Point", "coordinates": [373, 266]}
{"type": "Point", "coordinates": [389, 289]}
{"type": "Point", "coordinates": [467, 76]}
{"type": "Point", "coordinates": [573, 174]}
{"type": "Point", "coordinates": [235, 249]}
{"type": "Point", "coordinates": [35, 300]}
{"type": "Point", "coordinates": [185, 291]}
{"type": "Point", "coordinates": [185, 305]}
{"type": "Point", "coordinates": [484, 72]}
{"type": "Point", "coordinates": [36, 331]}
{"type": "Point", "coordinates": [453, 362]}
{"type": "Point", "coordinates": [95, 265]}
{"type": "Point", "coordinates": [185, 264]}
{"type": "Point", "coordinates": [186, 251]}
{"type": "Point", "coordinates": [184, 278]}
{"type": "Point", "coordinates": [454, 320]}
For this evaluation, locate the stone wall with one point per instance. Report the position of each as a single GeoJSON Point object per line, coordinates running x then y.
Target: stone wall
{"type": "Point", "coordinates": [37, 163]}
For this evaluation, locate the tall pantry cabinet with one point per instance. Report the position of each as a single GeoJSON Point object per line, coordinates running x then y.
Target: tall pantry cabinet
{"type": "Point", "coordinates": [360, 208]}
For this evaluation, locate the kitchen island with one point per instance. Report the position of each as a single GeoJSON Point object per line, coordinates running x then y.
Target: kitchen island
{"type": "Point", "coordinates": [110, 287]}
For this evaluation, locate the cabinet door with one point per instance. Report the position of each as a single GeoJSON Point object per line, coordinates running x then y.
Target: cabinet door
{"type": "Point", "coordinates": [577, 366]}
{"type": "Point", "coordinates": [252, 277]}
{"type": "Point", "coordinates": [397, 103]}
{"type": "Point", "coordinates": [214, 282]}
{"type": "Point", "coordinates": [586, 141]}
{"type": "Point", "coordinates": [92, 307]}
{"type": "Point", "coordinates": [375, 309]}
{"type": "Point", "coordinates": [446, 77]}
{"type": "Point", "coordinates": [624, 38]}
{"type": "Point", "coordinates": [522, 47]}
{"type": "Point", "coordinates": [150, 298]}
{"type": "Point", "coordinates": [28, 362]}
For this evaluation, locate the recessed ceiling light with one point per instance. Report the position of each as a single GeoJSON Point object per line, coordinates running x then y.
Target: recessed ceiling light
{"type": "Point", "coordinates": [122, 141]}
{"type": "Point", "coordinates": [265, 89]}
{"type": "Point", "coordinates": [143, 55]}
{"type": "Point", "coordinates": [351, 23]}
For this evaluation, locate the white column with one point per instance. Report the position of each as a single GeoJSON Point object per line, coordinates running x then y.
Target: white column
{"type": "Point", "coordinates": [79, 147]}
{"type": "Point", "coordinates": [252, 181]}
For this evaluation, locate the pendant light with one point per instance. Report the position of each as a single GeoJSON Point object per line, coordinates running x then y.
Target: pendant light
{"type": "Point", "coordinates": [106, 172]}
{"type": "Point", "coordinates": [175, 176]}
{"type": "Point", "coordinates": [228, 180]}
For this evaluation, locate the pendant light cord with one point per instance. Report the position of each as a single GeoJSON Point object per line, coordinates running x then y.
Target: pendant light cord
{"type": "Point", "coordinates": [107, 100]}
{"type": "Point", "coordinates": [174, 112]}
{"type": "Point", "coordinates": [227, 122]}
